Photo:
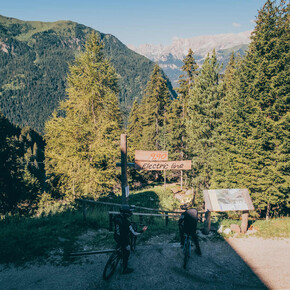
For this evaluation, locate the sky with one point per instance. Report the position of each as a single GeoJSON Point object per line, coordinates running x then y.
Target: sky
{"type": "Point", "coordinates": [136, 22]}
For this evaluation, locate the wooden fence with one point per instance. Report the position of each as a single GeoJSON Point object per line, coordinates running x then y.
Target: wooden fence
{"type": "Point", "coordinates": [202, 215]}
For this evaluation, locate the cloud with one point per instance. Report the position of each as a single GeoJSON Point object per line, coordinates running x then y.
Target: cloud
{"type": "Point", "coordinates": [253, 21]}
{"type": "Point", "coordinates": [235, 24]}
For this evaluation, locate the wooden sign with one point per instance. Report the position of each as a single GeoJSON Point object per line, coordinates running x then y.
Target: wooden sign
{"type": "Point", "coordinates": [227, 200]}
{"type": "Point", "coordinates": [151, 155]}
{"type": "Point", "coordinates": [163, 165]}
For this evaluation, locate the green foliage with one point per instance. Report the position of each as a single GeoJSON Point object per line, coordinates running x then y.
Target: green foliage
{"type": "Point", "coordinates": [27, 239]}
{"type": "Point", "coordinates": [255, 112]}
{"type": "Point", "coordinates": [186, 81]}
{"type": "Point", "coordinates": [154, 105]}
{"type": "Point", "coordinates": [21, 168]}
{"type": "Point", "coordinates": [82, 143]}
{"type": "Point", "coordinates": [34, 63]}
{"type": "Point", "coordinates": [202, 124]}
{"type": "Point", "coordinates": [273, 228]}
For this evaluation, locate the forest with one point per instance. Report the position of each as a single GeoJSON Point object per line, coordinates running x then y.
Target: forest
{"type": "Point", "coordinates": [234, 126]}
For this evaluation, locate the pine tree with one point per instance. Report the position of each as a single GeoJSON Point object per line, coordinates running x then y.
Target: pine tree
{"type": "Point", "coordinates": [83, 138]}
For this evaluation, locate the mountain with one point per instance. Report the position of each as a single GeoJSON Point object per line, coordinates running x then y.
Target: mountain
{"type": "Point", "coordinates": [170, 57]}
{"type": "Point", "coordinates": [34, 58]}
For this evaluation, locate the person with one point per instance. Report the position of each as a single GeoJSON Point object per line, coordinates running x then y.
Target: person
{"type": "Point", "coordinates": [122, 230]}
{"type": "Point", "coordinates": [187, 224]}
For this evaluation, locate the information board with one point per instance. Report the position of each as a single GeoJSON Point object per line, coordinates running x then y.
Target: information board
{"type": "Point", "coordinates": [227, 199]}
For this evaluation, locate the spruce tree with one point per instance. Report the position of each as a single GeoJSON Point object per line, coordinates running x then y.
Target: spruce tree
{"type": "Point", "coordinates": [155, 104]}
{"type": "Point", "coordinates": [83, 137]}
{"type": "Point", "coordinates": [261, 113]}
{"type": "Point", "coordinates": [203, 122]}
{"type": "Point", "coordinates": [186, 81]}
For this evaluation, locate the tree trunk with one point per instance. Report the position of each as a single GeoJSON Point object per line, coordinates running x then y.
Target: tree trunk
{"type": "Point", "coordinates": [268, 211]}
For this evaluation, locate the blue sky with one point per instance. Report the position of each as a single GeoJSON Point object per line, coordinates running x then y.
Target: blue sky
{"type": "Point", "coordinates": [136, 22]}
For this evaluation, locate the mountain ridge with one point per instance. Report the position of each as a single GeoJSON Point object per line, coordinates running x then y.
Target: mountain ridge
{"type": "Point", "coordinates": [34, 58]}
{"type": "Point", "coordinates": [170, 57]}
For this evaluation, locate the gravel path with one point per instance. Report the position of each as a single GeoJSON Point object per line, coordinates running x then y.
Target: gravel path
{"type": "Point", "coordinates": [238, 263]}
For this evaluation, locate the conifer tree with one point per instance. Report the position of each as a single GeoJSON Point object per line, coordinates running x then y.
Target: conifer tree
{"type": "Point", "coordinates": [203, 122]}
{"type": "Point", "coordinates": [224, 175]}
{"type": "Point", "coordinates": [83, 138]}
{"type": "Point", "coordinates": [154, 105]}
{"type": "Point", "coordinates": [260, 113]}
{"type": "Point", "coordinates": [134, 129]}
{"type": "Point", "coordinates": [186, 81]}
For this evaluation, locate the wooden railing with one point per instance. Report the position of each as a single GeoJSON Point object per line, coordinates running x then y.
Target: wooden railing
{"type": "Point", "coordinates": [202, 215]}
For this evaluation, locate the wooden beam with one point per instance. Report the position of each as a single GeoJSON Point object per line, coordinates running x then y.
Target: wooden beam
{"type": "Point", "coordinates": [163, 165]}
{"type": "Point", "coordinates": [151, 155]}
{"type": "Point", "coordinates": [207, 222]}
{"type": "Point", "coordinates": [244, 226]}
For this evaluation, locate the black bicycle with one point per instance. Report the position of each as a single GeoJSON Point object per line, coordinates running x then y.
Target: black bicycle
{"type": "Point", "coordinates": [186, 250]}
{"type": "Point", "coordinates": [117, 256]}
{"type": "Point", "coordinates": [112, 263]}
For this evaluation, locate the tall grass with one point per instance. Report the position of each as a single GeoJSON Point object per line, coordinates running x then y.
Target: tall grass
{"type": "Point", "coordinates": [25, 239]}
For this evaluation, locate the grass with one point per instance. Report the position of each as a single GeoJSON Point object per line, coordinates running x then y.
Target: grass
{"type": "Point", "coordinates": [37, 238]}
{"type": "Point", "coordinates": [26, 239]}
{"type": "Point", "coordinates": [273, 228]}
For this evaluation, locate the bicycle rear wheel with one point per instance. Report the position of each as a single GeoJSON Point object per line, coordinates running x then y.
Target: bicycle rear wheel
{"type": "Point", "coordinates": [111, 265]}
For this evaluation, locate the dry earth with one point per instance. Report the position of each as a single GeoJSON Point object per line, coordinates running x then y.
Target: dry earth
{"type": "Point", "coordinates": [237, 263]}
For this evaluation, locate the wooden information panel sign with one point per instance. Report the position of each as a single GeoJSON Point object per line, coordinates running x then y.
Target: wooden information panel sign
{"type": "Point", "coordinates": [151, 155]}
{"type": "Point", "coordinates": [227, 200]}
{"type": "Point", "coordinates": [163, 165]}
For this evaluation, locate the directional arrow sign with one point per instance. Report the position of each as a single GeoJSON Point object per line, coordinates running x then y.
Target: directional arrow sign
{"type": "Point", "coordinates": [163, 165]}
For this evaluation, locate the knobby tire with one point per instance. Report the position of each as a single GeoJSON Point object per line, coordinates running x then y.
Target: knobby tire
{"type": "Point", "coordinates": [186, 252]}
{"type": "Point", "coordinates": [111, 265]}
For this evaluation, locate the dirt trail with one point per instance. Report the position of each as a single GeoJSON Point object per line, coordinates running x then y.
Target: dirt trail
{"type": "Point", "coordinates": [244, 263]}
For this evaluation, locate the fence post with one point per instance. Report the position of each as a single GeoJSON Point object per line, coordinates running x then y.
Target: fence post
{"type": "Point", "coordinates": [84, 211]}
{"type": "Point", "coordinates": [244, 226]}
{"type": "Point", "coordinates": [207, 222]}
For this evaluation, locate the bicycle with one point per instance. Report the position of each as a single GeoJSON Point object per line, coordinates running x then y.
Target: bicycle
{"type": "Point", "coordinates": [117, 255]}
{"type": "Point", "coordinates": [112, 263]}
{"type": "Point", "coordinates": [186, 250]}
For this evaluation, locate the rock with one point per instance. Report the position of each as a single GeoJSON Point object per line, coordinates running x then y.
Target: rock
{"type": "Point", "coordinates": [220, 230]}
{"type": "Point", "coordinates": [227, 231]}
{"type": "Point", "coordinates": [235, 228]}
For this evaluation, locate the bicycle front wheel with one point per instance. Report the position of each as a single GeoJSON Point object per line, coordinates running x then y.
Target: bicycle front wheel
{"type": "Point", "coordinates": [111, 265]}
{"type": "Point", "coordinates": [186, 252]}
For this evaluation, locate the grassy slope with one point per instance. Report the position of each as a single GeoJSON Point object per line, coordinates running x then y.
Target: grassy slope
{"type": "Point", "coordinates": [28, 239]}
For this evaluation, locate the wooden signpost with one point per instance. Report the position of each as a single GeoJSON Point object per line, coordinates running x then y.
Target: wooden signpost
{"type": "Point", "coordinates": [146, 160]}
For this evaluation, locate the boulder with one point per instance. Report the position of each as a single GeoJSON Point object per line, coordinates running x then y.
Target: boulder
{"type": "Point", "coordinates": [227, 231]}
{"type": "Point", "coordinates": [235, 228]}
